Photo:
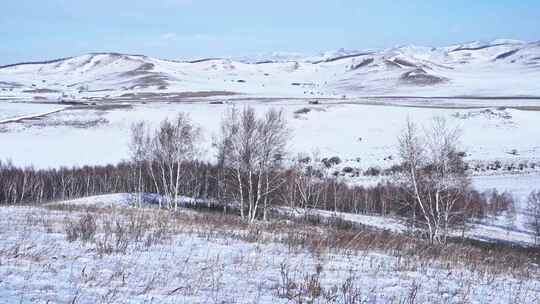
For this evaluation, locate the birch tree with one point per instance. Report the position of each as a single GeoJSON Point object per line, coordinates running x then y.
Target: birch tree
{"type": "Point", "coordinates": [138, 148]}
{"type": "Point", "coordinates": [165, 151]}
{"type": "Point", "coordinates": [435, 177]}
{"type": "Point", "coordinates": [533, 216]}
{"type": "Point", "coordinates": [306, 182]}
{"type": "Point", "coordinates": [251, 150]}
{"type": "Point", "coordinates": [175, 143]}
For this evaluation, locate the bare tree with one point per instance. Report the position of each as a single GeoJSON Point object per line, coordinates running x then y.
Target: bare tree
{"type": "Point", "coordinates": [165, 151]}
{"type": "Point", "coordinates": [533, 210]}
{"type": "Point", "coordinates": [138, 147]}
{"type": "Point", "coordinates": [251, 150]}
{"type": "Point", "coordinates": [307, 179]}
{"type": "Point", "coordinates": [274, 135]}
{"type": "Point", "coordinates": [435, 177]}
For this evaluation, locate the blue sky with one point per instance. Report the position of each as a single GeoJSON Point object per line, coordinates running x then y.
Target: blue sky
{"type": "Point", "coordinates": [176, 29]}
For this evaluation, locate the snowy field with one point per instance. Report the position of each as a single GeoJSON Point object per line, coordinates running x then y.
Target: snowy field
{"type": "Point", "coordinates": [183, 260]}
{"type": "Point", "coordinates": [11, 111]}
{"type": "Point", "coordinates": [363, 133]}
{"type": "Point", "coordinates": [520, 186]}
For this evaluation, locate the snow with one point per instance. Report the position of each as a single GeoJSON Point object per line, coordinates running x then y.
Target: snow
{"type": "Point", "coordinates": [127, 200]}
{"type": "Point", "coordinates": [520, 186]}
{"type": "Point", "coordinates": [350, 131]}
{"type": "Point", "coordinates": [121, 200]}
{"type": "Point", "coordinates": [11, 111]}
{"type": "Point", "coordinates": [490, 230]}
{"type": "Point", "coordinates": [375, 221]}
{"type": "Point", "coordinates": [362, 135]}
{"type": "Point", "coordinates": [39, 266]}
{"type": "Point", "coordinates": [361, 128]}
{"type": "Point", "coordinates": [33, 116]}
{"type": "Point", "coordinates": [471, 69]}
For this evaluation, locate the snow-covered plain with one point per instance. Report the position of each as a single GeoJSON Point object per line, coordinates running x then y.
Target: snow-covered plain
{"type": "Point", "coordinates": [192, 264]}
{"type": "Point", "coordinates": [11, 111]}
{"type": "Point", "coordinates": [361, 133]}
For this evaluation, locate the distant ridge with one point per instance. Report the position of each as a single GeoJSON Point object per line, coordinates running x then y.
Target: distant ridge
{"type": "Point", "coordinates": [499, 68]}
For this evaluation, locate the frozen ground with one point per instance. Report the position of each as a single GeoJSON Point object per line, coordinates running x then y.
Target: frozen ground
{"type": "Point", "coordinates": [363, 134]}
{"type": "Point", "coordinates": [520, 186]}
{"type": "Point", "coordinates": [499, 229]}
{"type": "Point", "coordinates": [493, 231]}
{"type": "Point", "coordinates": [193, 263]}
{"type": "Point", "coordinates": [127, 200]}
{"type": "Point", "coordinates": [10, 111]}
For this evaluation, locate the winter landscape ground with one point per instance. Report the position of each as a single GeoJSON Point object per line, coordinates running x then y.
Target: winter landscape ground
{"type": "Point", "coordinates": [149, 256]}
{"type": "Point", "coordinates": [350, 106]}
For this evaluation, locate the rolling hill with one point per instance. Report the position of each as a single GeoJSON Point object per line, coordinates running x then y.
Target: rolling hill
{"type": "Point", "coordinates": [498, 68]}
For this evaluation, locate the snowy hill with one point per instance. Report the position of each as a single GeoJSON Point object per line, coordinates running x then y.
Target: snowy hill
{"type": "Point", "coordinates": [496, 68]}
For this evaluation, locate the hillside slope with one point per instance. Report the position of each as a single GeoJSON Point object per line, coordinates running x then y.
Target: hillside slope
{"type": "Point", "coordinates": [498, 68]}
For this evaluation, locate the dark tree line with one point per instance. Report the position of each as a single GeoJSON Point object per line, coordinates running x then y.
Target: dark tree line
{"type": "Point", "coordinates": [296, 189]}
{"type": "Point", "coordinates": [35, 186]}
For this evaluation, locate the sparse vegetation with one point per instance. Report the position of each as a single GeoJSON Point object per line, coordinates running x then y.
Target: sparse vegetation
{"type": "Point", "coordinates": [304, 260]}
{"type": "Point", "coordinates": [83, 229]}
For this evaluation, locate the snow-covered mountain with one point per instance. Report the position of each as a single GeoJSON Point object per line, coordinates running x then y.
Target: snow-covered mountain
{"type": "Point", "coordinates": [498, 68]}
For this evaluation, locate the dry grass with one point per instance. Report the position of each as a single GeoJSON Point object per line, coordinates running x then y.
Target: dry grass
{"type": "Point", "coordinates": [127, 234]}
{"type": "Point", "coordinates": [152, 226]}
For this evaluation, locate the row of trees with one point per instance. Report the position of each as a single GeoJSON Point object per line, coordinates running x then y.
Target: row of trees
{"type": "Point", "coordinates": [250, 152]}
{"type": "Point", "coordinates": [431, 190]}
{"type": "Point", "coordinates": [32, 186]}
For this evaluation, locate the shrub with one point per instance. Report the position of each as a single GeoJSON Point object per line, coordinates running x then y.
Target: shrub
{"type": "Point", "coordinates": [335, 160]}
{"type": "Point", "coordinates": [393, 170]}
{"type": "Point", "coordinates": [332, 161]}
{"type": "Point", "coordinates": [348, 170]}
{"type": "Point", "coordinates": [84, 229]}
{"type": "Point", "coordinates": [302, 111]}
{"type": "Point", "coordinates": [372, 171]}
{"type": "Point", "coordinates": [115, 238]}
